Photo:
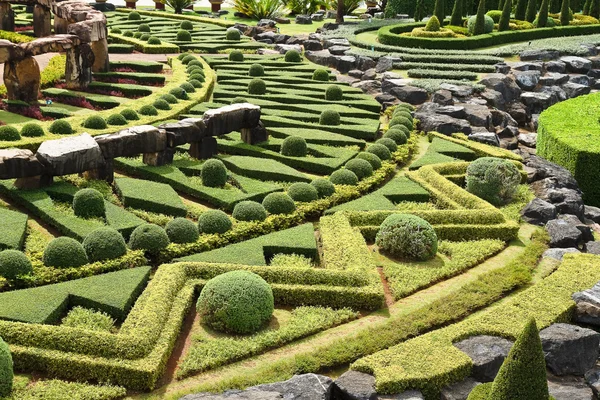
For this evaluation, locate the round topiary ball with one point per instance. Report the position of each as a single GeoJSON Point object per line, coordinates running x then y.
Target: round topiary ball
{"type": "Point", "coordinates": [279, 203]}
{"type": "Point", "coordinates": [321, 75]}
{"type": "Point", "coordinates": [128, 34]}
{"type": "Point", "coordinates": [88, 203]}
{"type": "Point", "coordinates": [149, 237]}
{"type": "Point", "coordinates": [256, 70]}
{"type": "Point", "coordinates": [130, 114]}
{"type": "Point", "coordinates": [197, 77]}
{"type": "Point", "coordinates": [196, 84]}
{"type": "Point", "coordinates": [143, 28]}
{"type": "Point", "coordinates": [6, 370]}
{"type": "Point", "coordinates": [371, 158]}
{"type": "Point", "coordinates": [184, 36]}
{"type": "Point", "coordinates": [380, 151]}
{"type": "Point", "coordinates": [233, 34]}
{"type": "Point", "coordinates": [116, 119]}
{"type": "Point", "coordinates": [249, 211]}
{"type": "Point", "coordinates": [161, 104]}
{"type": "Point", "coordinates": [389, 143]}
{"type": "Point", "coordinates": [495, 180]}
{"type": "Point", "coordinates": [488, 27]}
{"type": "Point", "coordinates": [148, 110]}
{"type": "Point", "coordinates": [137, 35]}
{"type": "Point", "coordinates": [257, 86]}
{"type": "Point", "coordinates": [406, 106]}
{"type": "Point", "coordinates": [116, 31]}
{"type": "Point", "coordinates": [145, 36]}
{"type": "Point", "coordinates": [154, 41]}
{"type": "Point", "coordinates": [362, 168]}
{"type": "Point", "coordinates": [169, 98]}
{"type": "Point", "coordinates": [94, 122]}
{"type": "Point", "coordinates": [324, 187]}
{"type": "Point", "coordinates": [187, 25]}
{"type": "Point", "coordinates": [32, 129]}
{"type": "Point", "coordinates": [9, 133]}
{"type": "Point", "coordinates": [343, 177]}
{"type": "Point", "coordinates": [236, 55]}
{"type": "Point", "coordinates": [134, 16]}
{"type": "Point", "coordinates": [329, 117]}
{"type": "Point", "coordinates": [302, 191]}
{"type": "Point", "coordinates": [214, 221]}
{"type": "Point", "coordinates": [294, 146]}
{"type": "Point", "coordinates": [334, 93]}
{"type": "Point", "coordinates": [407, 236]}
{"type": "Point", "coordinates": [14, 263]}
{"type": "Point", "coordinates": [61, 127]}
{"type": "Point", "coordinates": [396, 135]}
{"type": "Point", "coordinates": [64, 252]}
{"type": "Point", "coordinates": [238, 302]}
{"type": "Point", "coordinates": [400, 120]}
{"type": "Point", "coordinates": [213, 173]}
{"type": "Point", "coordinates": [402, 128]}
{"type": "Point", "coordinates": [293, 56]}
{"type": "Point", "coordinates": [189, 88]}
{"type": "Point", "coordinates": [194, 63]}
{"type": "Point", "coordinates": [188, 58]}
{"type": "Point", "coordinates": [104, 244]}
{"type": "Point", "coordinates": [402, 112]}
{"type": "Point", "coordinates": [179, 93]}
{"type": "Point", "coordinates": [182, 230]}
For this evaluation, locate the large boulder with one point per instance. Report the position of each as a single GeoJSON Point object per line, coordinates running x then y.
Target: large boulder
{"type": "Point", "coordinates": [577, 65]}
{"type": "Point", "coordinates": [553, 78]}
{"type": "Point", "coordinates": [459, 390]}
{"type": "Point", "coordinates": [488, 354]}
{"type": "Point", "coordinates": [503, 84]}
{"type": "Point", "coordinates": [442, 123]}
{"type": "Point", "coordinates": [384, 64]}
{"type": "Point", "coordinates": [345, 63]}
{"type": "Point", "coordinates": [558, 254]}
{"type": "Point", "coordinates": [321, 57]}
{"type": "Point", "coordinates": [410, 94]}
{"type": "Point", "coordinates": [587, 309]}
{"type": "Point", "coordinates": [19, 163]}
{"type": "Point", "coordinates": [592, 213]}
{"type": "Point", "coordinates": [132, 141]}
{"type": "Point", "coordinates": [538, 212]}
{"type": "Point", "coordinates": [575, 90]}
{"type": "Point", "coordinates": [542, 55]}
{"type": "Point", "coordinates": [537, 102]}
{"type": "Point", "coordinates": [300, 387]}
{"type": "Point", "coordinates": [477, 115]}
{"type": "Point", "coordinates": [563, 234]}
{"type": "Point", "coordinates": [442, 97]}
{"type": "Point", "coordinates": [70, 155]}
{"type": "Point", "coordinates": [569, 390]}
{"type": "Point", "coordinates": [235, 395]}
{"type": "Point", "coordinates": [527, 80]}
{"type": "Point", "coordinates": [232, 118]}
{"type": "Point", "coordinates": [592, 247]}
{"type": "Point", "coordinates": [184, 131]}
{"type": "Point", "coordinates": [493, 98]}
{"type": "Point", "coordinates": [570, 349]}
{"type": "Point", "coordinates": [354, 385]}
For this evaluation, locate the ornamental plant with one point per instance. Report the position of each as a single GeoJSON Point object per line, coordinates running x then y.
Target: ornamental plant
{"type": "Point", "coordinates": [433, 25]}
{"type": "Point", "coordinates": [149, 237]}
{"type": "Point", "coordinates": [88, 203]}
{"type": "Point", "coordinates": [531, 10]}
{"type": "Point", "coordinates": [493, 179]}
{"type": "Point", "coordinates": [14, 263]}
{"type": "Point", "coordinates": [182, 230]}
{"type": "Point", "coordinates": [334, 93]}
{"type": "Point", "coordinates": [456, 18]}
{"type": "Point", "coordinates": [320, 75]}
{"type": "Point", "coordinates": [293, 56]}
{"type": "Point", "coordinates": [249, 211]}
{"type": "Point", "coordinates": [32, 129]}
{"type": "Point", "coordinates": [479, 27]}
{"type": "Point", "coordinates": [233, 34]}
{"type": "Point", "coordinates": [302, 191]}
{"type": "Point", "coordinates": [439, 12]}
{"type": "Point", "coordinates": [257, 86]}
{"type": "Point", "coordinates": [279, 203]}
{"type": "Point", "coordinates": [61, 127]}
{"type": "Point", "coordinates": [294, 146]}
{"type": "Point", "coordinates": [542, 19]}
{"type": "Point", "coordinates": [371, 158]}
{"type": "Point", "coordinates": [6, 370]}
{"type": "Point", "coordinates": [343, 177]}
{"type": "Point", "coordinates": [214, 221]}
{"type": "Point", "coordinates": [408, 237]}
{"type": "Point", "coordinates": [9, 133]}
{"type": "Point", "coordinates": [503, 25]}
{"type": "Point", "coordinates": [329, 117]}
{"type": "Point", "coordinates": [520, 10]}
{"type": "Point", "coordinates": [104, 244]}
{"type": "Point", "coordinates": [214, 173]}
{"type": "Point", "coordinates": [64, 252]}
{"type": "Point", "coordinates": [419, 11]}
{"type": "Point", "coordinates": [380, 151]}
{"type": "Point", "coordinates": [362, 168]}
{"type": "Point", "coordinates": [565, 17]}
{"type": "Point", "coordinates": [256, 70]}
{"type": "Point", "coordinates": [324, 187]}
{"type": "Point", "coordinates": [389, 143]}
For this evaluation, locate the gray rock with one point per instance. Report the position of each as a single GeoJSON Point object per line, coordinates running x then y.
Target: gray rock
{"type": "Point", "coordinates": [353, 385]}
{"type": "Point", "coordinates": [336, 42]}
{"type": "Point", "coordinates": [538, 212]}
{"type": "Point", "coordinates": [529, 139]}
{"type": "Point", "coordinates": [581, 80]}
{"type": "Point", "coordinates": [284, 48]}
{"type": "Point", "coordinates": [390, 75]}
{"type": "Point", "coordinates": [235, 395]}
{"type": "Point", "coordinates": [356, 73]}
{"type": "Point", "coordinates": [569, 390]}
{"type": "Point", "coordinates": [558, 254]}
{"type": "Point", "coordinates": [502, 68]}
{"type": "Point", "coordinates": [338, 50]}
{"type": "Point", "coordinates": [370, 74]}
{"type": "Point", "coordinates": [502, 119]}
{"type": "Point", "coordinates": [313, 45]}
{"type": "Point", "coordinates": [503, 84]}
{"type": "Point", "coordinates": [410, 94]}
{"type": "Point", "coordinates": [528, 79]}
{"type": "Point", "coordinates": [509, 132]}
{"type": "Point", "coordinates": [384, 64]}
{"type": "Point", "coordinates": [575, 90]}
{"type": "Point", "coordinates": [267, 23]}
{"type": "Point", "coordinates": [536, 102]}
{"type": "Point", "coordinates": [303, 19]}
{"type": "Point", "coordinates": [489, 138]}
{"type": "Point", "coordinates": [19, 163]}
{"type": "Point", "coordinates": [592, 378]}
{"type": "Point", "coordinates": [555, 66]}
{"type": "Point", "coordinates": [232, 118]}
{"type": "Point", "coordinates": [592, 213]}
{"type": "Point", "coordinates": [562, 234]}
{"type": "Point", "coordinates": [321, 57]}
{"type": "Point", "coordinates": [458, 90]}
{"type": "Point", "coordinates": [561, 176]}
{"type": "Point", "coordinates": [185, 131]}
{"type": "Point", "coordinates": [300, 387]}
{"type": "Point", "coordinates": [370, 87]}
{"type": "Point", "coordinates": [577, 65]}
{"type": "Point", "coordinates": [385, 98]}
{"type": "Point", "coordinates": [487, 353]}
{"type": "Point", "coordinates": [442, 97]}
{"type": "Point", "coordinates": [493, 98]}
{"type": "Point", "coordinates": [132, 142]}
{"type": "Point", "coordinates": [317, 17]}
{"type": "Point", "coordinates": [543, 55]}
{"type": "Point", "coordinates": [556, 94]}
{"type": "Point", "coordinates": [587, 310]}
{"type": "Point", "coordinates": [365, 63]}
{"type": "Point", "coordinates": [70, 155]}
{"type": "Point", "coordinates": [570, 349]}
{"type": "Point", "coordinates": [388, 84]}
{"type": "Point", "coordinates": [478, 115]}
{"type": "Point", "coordinates": [592, 247]}
{"type": "Point", "coordinates": [553, 78]}
{"type": "Point", "coordinates": [345, 63]}
{"type": "Point", "coordinates": [442, 123]}
{"type": "Point", "coordinates": [459, 390]}
{"type": "Point", "coordinates": [576, 222]}
{"type": "Point", "coordinates": [528, 66]}
{"type": "Point", "coordinates": [407, 395]}
{"type": "Point", "coordinates": [298, 39]}
{"type": "Point", "coordinates": [566, 200]}
{"type": "Point", "coordinates": [519, 112]}
{"type": "Point", "coordinates": [453, 111]}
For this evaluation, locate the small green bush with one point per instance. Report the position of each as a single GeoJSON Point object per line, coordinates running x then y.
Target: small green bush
{"type": "Point", "coordinates": [88, 203]}
{"type": "Point", "coordinates": [9, 133]}
{"type": "Point", "coordinates": [189, 88]}
{"type": "Point", "coordinates": [279, 203]}
{"type": "Point", "coordinates": [257, 86]}
{"type": "Point", "coordinates": [334, 93]}
{"type": "Point", "coordinates": [94, 122]}
{"type": "Point", "coordinates": [196, 84]}
{"type": "Point", "coordinates": [187, 25]}
{"type": "Point", "coordinates": [150, 238]}
{"type": "Point", "coordinates": [362, 168]}
{"type": "Point", "coordinates": [495, 180]}
{"type": "Point", "coordinates": [256, 70]}
{"type": "Point", "coordinates": [238, 302]}
{"type": "Point", "coordinates": [182, 230]}
{"type": "Point", "coordinates": [294, 146]}
{"type": "Point", "coordinates": [293, 56]}
{"type": "Point", "coordinates": [197, 77]}
{"type": "Point", "coordinates": [488, 27]}
{"type": "Point", "coordinates": [343, 177]}
{"type": "Point", "coordinates": [104, 244]}
{"type": "Point", "coordinates": [188, 58]}
{"type": "Point", "coordinates": [213, 173]}
{"type": "Point", "coordinates": [116, 119]}
{"type": "Point", "coordinates": [116, 31]}
{"type": "Point", "coordinates": [154, 40]}
{"type": "Point", "coordinates": [143, 28]}
{"type": "Point", "coordinates": [433, 25]}
{"type": "Point", "coordinates": [148, 110]}
{"type": "Point", "coordinates": [169, 98]}
{"type": "Point", "coordinates": [14, 263]}
{"type": "Point", "coordinates": [6, 370]}
{"type": "Point", "coordinates": [134, 16]}
{"type": "Point", "coordinates": [329, 117]}
{"type": "Point", "coordinates": [214, 221]}
{"type": "Point", "coordinates": [550, 23]}
{"type": "Point", "coordinates": [397, 135]}
{"type": "Point", "coordinates": [380, 151]}
{"type": "Point", "coordinates": [61, 127]}
{"type": "Point", "coordinates": [195, 63]}
{"type": "Point", "coordinates": [64, 252]}
{"type": "Point", "coordinates": [32, 129]}
{"type": "Point", "coordinates": [249, 211]}
{"type": "Point", "coordinates": [128, 34]}
{"type": "Point", "coordinates": [321, 75]}
{"type": "Point", "coordinates": [233, 34]}
{"type": "Point", "coordinates": [408, 237]}
{"type": "Point", "coordinates": [236, 55]}
{"type": "Point", "coordinates": [179, 93]}
{"type": "Point", "coordinates": [130, 114]}
{"type": "Point", "coordinates": [403, 112]}
{"type": "Point", "coordinates": [302, 191]}
{"type": "Point", "coordinates": [184, 36]}
{"type": "Point", "coordinates": [494, 15]}
{"type": "Point", "coordinates": [371, 158]}
{"type": "Point", "coordinates": [84, 318]}
{"type": "Point", "coordinates": [238, 100]}
{"type": "Point", "coordinates": [324, 187]}
{"type": "Point", "coordinates": [161, 104]}
{"type": "Point", "coordinates": [403, 121]}
{"type": "Point", "coordinates": [389, 143]}
{"type": "Point", "coordinates": [145, 36]}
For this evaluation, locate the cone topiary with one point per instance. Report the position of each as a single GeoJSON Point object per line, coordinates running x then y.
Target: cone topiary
{"type": "Point", "coordinates": [433, 25]}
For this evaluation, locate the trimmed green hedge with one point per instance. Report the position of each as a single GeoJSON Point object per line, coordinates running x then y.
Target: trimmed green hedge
{"type": "Point", "coordinates": [13, 229]}
{"type": "Point", "coordinates": [150, 196]}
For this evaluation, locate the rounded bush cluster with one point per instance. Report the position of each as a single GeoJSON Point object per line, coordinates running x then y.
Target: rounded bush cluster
{"type": "Point", "coordinates": [154, 40]}
{"type": "Point", "coordinates": [294, 146]}
{"type": "Point", "coordinates": [488, 27]}
{"type": "Point", "coordinates": [104, 244]}
{"type": "Point", "coordinates": [320, 75]}
{"type": "Point", "coordinates": [329, 117]}
{"type": "Point", "coordinates": [94, 122]}
{"type": "Point", "coordinates": [116, 31]}
{"type": "Point", "coordinates": [236, 55]}
{"type": "Point", "coordinates": [130, 114]}
{"type": "Point", "coordinates": [169, 98]}
{"type": "Point", "coordinates": [370, 158]}
{"type": "Point", "coordinates": [249, 211]}
{"type": "Point", "coordinates": [61, 127]}
{"type": "Point", "coordinates": [128, 34]}
{"type": "Point", "coordinates": [187, 58]}
{"type": "Point", "coordinates": [179, 93]}
{"type": "Point", "coordinates": [256, 70]}
{"type": "Point", "coordinates": [188, 87]}
{"type": "Point", "coordinates": [145, 36]}
{"type": "Point", "coordinates": [184, 36]}
{"type": "Point", "coordinates": [149, 110]}
{"type": "Point", "coordinates": [196, 84]}
{"type": "Point", "coordinates": [257, 86]}
{"type": "Point", "coordinates": [9, 133]}
{"type": "Point", "coordinates": [362, 168]}
{"type": "Point", "coordinates": [334, 93]}
{"type": "Point", "coordinates": [233, 34]}
{"type": "Point", "coordinates": [32, 129]}
{"type": "Point", "coordinates": [343, 177]}
{"type": "Point", "coordinates": [213, 173]}
{"type": "Point", "coordinates": [187, 25]}
{"type": "Point", "coordinates": [134, 16]}
{"type": "Point", "coordinates": [397, 135]}
{"type": "Point", "coordinates": [389, 143]}
{"type": "Point", "coordinates": [182, 230]}
{"type": "Point", "coordinates": [403, 121]}
{"type": "Point", "coordinates": [88, 203]}
{"type": "Point", "coordinates": [293, 56]}
{"type": "Point", "coordinates": [302, 191]}
{"type": "Point", "coordinates": [6, 370]}
{"type": "Point", "coordinates": [214, 221]}
{"type": "Point", "coordinates": [238, 302]}
{"type": "Point", "coordinates": [149, 237]}
{"type": "Point", "coordinates": [137, 35]}
{"type": "Point", "coordinates": [64, 252]}
{"type": "Point", "coordinates": [143, 28]}
{"type": "Point", "coordinates": [279, 203]}
{"type": "Point", "coordinates": [380, 151]}
{"type": "Point", "coordinates": [493, 179]}
{"type": "Point", "coordinates": [14, 263]}
{"type": "Point", "coordinates": [116, 119]}
{"type": "Point", "coordinates": [407, 236]}
{"type": "Point", "coordinates": [161, 104]}
{"type": "Point", "coordinates": [324, 187]}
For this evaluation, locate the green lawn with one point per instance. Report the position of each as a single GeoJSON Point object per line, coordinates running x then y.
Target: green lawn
{"type": "Point", "coordinates": [12, 118]}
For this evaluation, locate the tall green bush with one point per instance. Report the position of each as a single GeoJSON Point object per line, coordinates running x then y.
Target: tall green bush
{"type": "Point", "coordinates": [520, 10]}
{"type": "Point", "coordinates": [480, 19]}
{"type": "Point", "coordinates": [503, 25]}
{"type": "Point", "coordinates": [6, 370]}
{"type": "Point", "coordinates": [543, 15]}
{"type": "Point", "coordinates": [439, 11]}
{"type": "Point", "coordinates": [586, 7]}
{"type": "Point", "coordinates": [555, 6]}
{"type": "Point", "coordinates": [419, 11]}
{"type": "Point", "coordinates": [493, 179]}
{"type": "Point", "coordinates": [456, 18]}
{"type": "Point", "coordinates": [531, 10]}
{"type": "Point", "coordinates": [595, 9]}
{"type": "Point", "coordinates": [564, 13]}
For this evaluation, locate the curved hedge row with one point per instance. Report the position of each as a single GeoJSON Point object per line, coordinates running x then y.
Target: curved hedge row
{"type": "Point", "coordinates": [574, 142]}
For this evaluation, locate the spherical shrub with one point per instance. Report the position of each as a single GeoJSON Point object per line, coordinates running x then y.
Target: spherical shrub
{"type": "Point", "coordinates": [189, 88]}
{"type": "Point", "coordinates": [238, 302]}
{"type": "Point", "coordinates": [550, 23]}
{"type": "Point", "coordinates": [182, 230]}
{"type": "Point", "coordinates": [362, 168]}
{"type": "Point", "coordinates": [233, 34]}
{"type": "Point", "coordinates": [488, 27]}
{"type": "Point", "coordinates": [196, 84]}
{"type": "Point", "coordinates": [64, 252]}
{"type": "Point", "coordinates": [294, 146]}
{"type": "Point", "coordinates": [494, 15]}
{"type": "Point", "coordinates": [14, 263]}
{"type": "Point", "coordinates": [213, 173]}
{"type": "Point", "coordinates": [116, 31]}
{"type": "Point", "coordinates": [143, 28]}
{"type": "Point", "coordinates": [6, 370]}
{"type": "Point", "coordinates": [179, 93]}
{"type": "Point", "coordinates": [169, 98]}
{"type": "Point", "coordinates": [249, 211]}
{"type": "Point", "coordinates": [145, 36]}
{"type": "Point", "coordinates": [293, 56]}
{"type": "Point", "coordinates": [214, 221]}
{"type": "Point", "coordinates": [406, 106]}
{"type": "Point", "coordinates": [197, 77]}
{"type": "Point", "coordinates": [343, 177]}
{"type": "Point", "coordinates": [134, 16]}
{"type": "Point", "coordinates": [88, 203]}
{"type": "Point", "coordinates": [61, 127]}
{"type": "Point", "coordinates": [334, 93]}
{"type": "Point", "coordinates": [389, 143]}
{"type": "Point", "coordinates": [302, 191]}
{"type": "Point", "coordinates": [279, 203]}
{"type": "Point", "coordinates": [116, 119]}
{"type": "Point", "coordinates": [236, 55]}
{"type": "Point", "coordinates": [238, 100]}
{"type": "Point", "coordinates": [130, 114]}
{"type": "Point", "coordinates": [128, 34]}
{"type": "Point", "coordinates": [380, 151]}
{"type": "Point", "coordinates": [407, 236]}
{"type": "Point", "coordinates": [196, 64]}
{"type": "Point", "coordinates": [148, 110]}
{"type": "Point", "coordinates": [403, 121]}
{"type": "Point", "coordinates": [161, 104]}
{"type": "Point", "coordinates": [184, 36]}
{"type": "Point", "coordinates": [188, 58]}
{"type": "Point", "coordinates": [324, 187]}
{"type": "Point", "coordinates": [94, 122]}
{"type": "Point", "coordinates": [370, 158]}
{"type": "Point", "coordinates": [154, 40]}
{"type": "Point", "coordinates": [256, 70]}
{"type": "Point", "coordinates": [149, 237]}
{"type": "Point", "coordinates": [187, 25]}
{"type": "Point", "coordinates": [104, 244]}
{"type": "Point", "coordinates": [321, 75]}
{"type": "Point", "coordinates": [397, 135]}
{"type": "Point", "coordinates": [402, 112]}
{"type": "Point", "coordinates": [257, 86]}
{"type": "Point", "coordinates": [32, 129]}
{"type": "Point", "coordinates": [9, 133]}
{"type": "Point", "coordinates": [493, 179]}
{"type": "Point", "coordinates": [329, 117]}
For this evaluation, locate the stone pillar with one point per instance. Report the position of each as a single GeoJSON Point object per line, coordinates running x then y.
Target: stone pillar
{"type": "Point", "coordinates": [61, 26]}
{"type": "Point", "coordinates": [22, 79]}
{"type": "Point", "coordinates": [33, 182]}
{"type": "Point", "coordinates": [157, 159]}
{"type": "Point", "coordinates": [78, 71]}
{"type": "Point", "coordinates": [7, 17]}
{"type": "Point", "coordinates": [100, 50]}
{"type": "Point", "coordinates": [159, 6]}
{"type": "Point", "coordinates": [204, 149]}
{"type": "Point", "coordinates": [130, 4]}
{"type": "Point", "coordinates": [42, 24]}
{"type": "Point", "coordinates": [255, 135]}
{"type": "Point", "coordinates": [105, 173]}
{"type": "Point", "coordinates": [215, 5]}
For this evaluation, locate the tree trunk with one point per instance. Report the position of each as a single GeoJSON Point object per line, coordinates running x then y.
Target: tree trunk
{"type": "Point", "coordinates": [339, 18]}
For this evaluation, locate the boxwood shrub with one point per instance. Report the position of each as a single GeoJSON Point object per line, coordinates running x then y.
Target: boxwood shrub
{"type": "Point", "coordinates": [184, 36]}
{"type": "Point", "coordinates": [61, 127]}
{"type": "Point", "coordinates": [6, 370]}
{"type": "Point", "coordinates": [32, 129]}
{"type": "Point", "coordinates": [257, 86]}
{"type": "Point", "coordinates": [321, 75]}
{"type": "Point", "coordinates": [233, 34]}
{"type": "Point", "coordinates": [293, 56]}
{"type": "Point", "coordinates": [104, 244]}
{"type": "Point", "coordinates": [88, 203]}
{"type": "Point", "coordinates": [182, 230]}
{"type": "Point", "coordinates": [187, 25]}
{"type": "Point", "coordinates": [343, 177]}
{"type": "Point", "coordinates": [214, 221]}
{"type": "Point", "coordinates": [236, 55]}
{"type": "Point", "coordinates": [302, 191]}
{"type": "Point", "coordinates": [116, 119]}
{"type": "Point", "coordinates": [169, 98]}
{"type": "Point", "coordinates": [400, 120]}
{"type": "Point", "coordinates": [64, 252]}
{"type": "Point", "coordinates": [14, 263]}
{"type": "Point", "coordinates": [213, 173]}
{"type": "Point", "coordinates": [397, 135]}
{"type": "Point", "coordinates": [372, 158]}
{"type": "Point", "coordinates": [334, 93]}
{"type": "Point", "coordinates": [148, 110]}
{"type": "Point", "coordinates": [9, 133]}
{"type": "Point", "coordinates": [134, 16]}
{"type": "Point", "coordinates": [153, 40]}
{"type": "Point", "coordinates": [294, 146]}
{"type": "Point", "coordinates": [256, 70]}
{"type": "Point", "coordinates": [329, 117]}
{"type": "Point", "coordinates": [249, 211]}
{"type": "Point", "coordinates": [389, 143]}
{"type": "Point", "coordinates": [188, 87]}
{"type": "Point", "coordinates": [408, 237]}
{"type": "Point", "coordinates": [380, 151]}
{"type": "Point", "coordinates": [161, 104]}
{"type": "Point", "coordinates": [362, 168]}
{"type": "Point", "coordinates": [94, 122]}
{"type": "Point", "coordinates": [279, 203]}
{"type": "Point", "coordinates": [149, 237]}
{"type": "Point", "coordinates": [324, 187]}
{"type": "Point", "coordinates": [493, 179]}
